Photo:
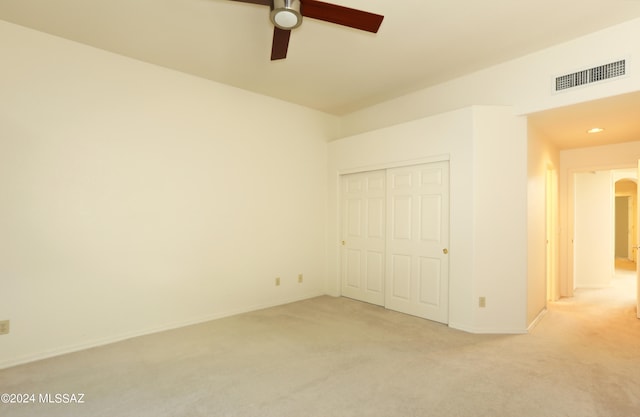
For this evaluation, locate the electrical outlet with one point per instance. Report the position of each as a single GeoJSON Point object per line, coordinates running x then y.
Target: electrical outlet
{"type": "Point", "coordinates": [300, 278]}
{"type": "Point", "coordinates": [4, 327]}
{"type": "Point", "coordinates": [277, 281]}
{"type": "Point", "coordinates": [482, 302]}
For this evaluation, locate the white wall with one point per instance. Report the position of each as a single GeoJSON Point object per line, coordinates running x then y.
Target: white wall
{"type": "Point", "coordinates": [593, 229]}
{"type": "Point", "coordinates": [524, 83]}
{"type": "Point", "coordinates": [500, 220]}
{"type": "Point", "coordinates": [134, 198]}
{"type": "Point", "coordinates": [440, 137]}
{"type": "Point", "coordinates": [487, 254]}
{"type": "Point", "coordinates": [624, 155]}
{"type": "Point", "coordinates": [542, 157]}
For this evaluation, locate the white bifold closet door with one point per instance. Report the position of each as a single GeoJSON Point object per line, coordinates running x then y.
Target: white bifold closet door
{"type": "Point", "coordinates": [395, 229]}
{"type": "Point", "coordinates": [417, 268]}
{"type": "Point", "coordinates": [363, 234]}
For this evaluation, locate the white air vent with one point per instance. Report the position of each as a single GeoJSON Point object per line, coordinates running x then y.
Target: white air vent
{"type": "Point", "coordinates": [591, 75]}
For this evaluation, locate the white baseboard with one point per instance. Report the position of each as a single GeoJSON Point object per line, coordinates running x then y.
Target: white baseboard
{"type": "Point", "coordinates": [535, 321]}
{"type": "Point", "coordinates": [46, 354]}
{"type": "Point", "coordinates": [488, 330]}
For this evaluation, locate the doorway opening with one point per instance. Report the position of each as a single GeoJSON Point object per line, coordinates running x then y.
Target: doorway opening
{"type": "Point", "coordinates": [626, 218]}
{"type": "Point", "coordinates": [605, 230]}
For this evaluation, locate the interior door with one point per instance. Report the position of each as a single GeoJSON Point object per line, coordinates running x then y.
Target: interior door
{"type": "Point", "coordinates": [363, 236]}
{"type": "Point", "coordinates": [417, 271]}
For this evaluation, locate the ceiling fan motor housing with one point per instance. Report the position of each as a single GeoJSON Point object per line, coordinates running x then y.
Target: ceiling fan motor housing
{"type": "Point", "coordinates": [286, 14]}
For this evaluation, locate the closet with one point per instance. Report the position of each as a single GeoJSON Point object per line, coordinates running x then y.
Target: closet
{"type": "Point", "coordinates": [394, 239]}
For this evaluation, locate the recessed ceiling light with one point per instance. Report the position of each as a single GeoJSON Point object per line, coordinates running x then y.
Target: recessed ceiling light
{"type": "Point", "coordinates": [595, 130]}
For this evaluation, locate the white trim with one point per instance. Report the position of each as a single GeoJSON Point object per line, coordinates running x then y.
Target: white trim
{"type": "Point", "coordinates": [535, 321]}
{"type": "Point", "coordinates": [109, 340]}
{"type": "Point", "coordinates": [395, 164]}
{"type": "Point", "coordinates": [461, 327]}
{"type": "Point", "coordinates": [509, 330]}
{"type": "Point", "coordinates": [488, 330]}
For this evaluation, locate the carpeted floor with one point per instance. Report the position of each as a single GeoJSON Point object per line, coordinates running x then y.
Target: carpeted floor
{"type": "Point", "coordinates": [338, 357]}
{"type": "Point", "coordinates": [625, 264]}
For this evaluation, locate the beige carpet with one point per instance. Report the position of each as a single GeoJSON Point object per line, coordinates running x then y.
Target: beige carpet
{"type": "Point", "coordinates": [337, 357]}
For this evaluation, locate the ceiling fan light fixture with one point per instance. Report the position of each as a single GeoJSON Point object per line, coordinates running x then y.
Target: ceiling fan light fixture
{"type": "Point", "coordinates": [286, 14]}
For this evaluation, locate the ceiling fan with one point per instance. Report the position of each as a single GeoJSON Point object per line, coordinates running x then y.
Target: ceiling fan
{"type": "Point", "coordinates": [287, 15]}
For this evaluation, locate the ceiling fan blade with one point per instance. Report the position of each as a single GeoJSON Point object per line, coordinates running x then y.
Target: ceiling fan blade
{"type": "Point", "coordinates": [263, 2]}
{"type": "Point", "coordinates": [280, 43]}
{"type": "Point", "coordinates": [341, 15]}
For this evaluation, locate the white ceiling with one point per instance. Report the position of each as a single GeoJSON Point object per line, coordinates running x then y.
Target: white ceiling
{"type": "Point", "coordinates": [329, 67]}
{"type": "Point", "coordinates": [567, 127]}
